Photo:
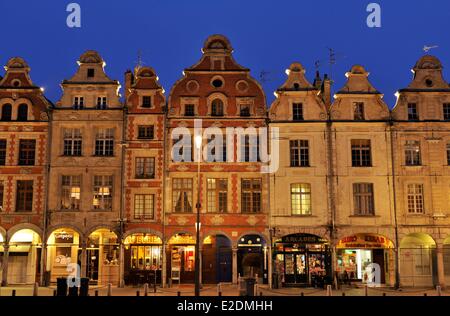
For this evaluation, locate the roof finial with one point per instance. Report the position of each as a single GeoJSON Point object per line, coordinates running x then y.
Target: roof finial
{"type": "Point", "coordinates": [426, 48]}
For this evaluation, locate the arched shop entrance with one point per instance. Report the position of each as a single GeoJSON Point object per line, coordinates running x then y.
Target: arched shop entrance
{"type": "Point", "coordinates": [447, 260]}
{"type": "Point", "coordinates": [356, 252]}
{"type": "Point", "coordinates": [417, 260]}
{"type": "Point", "coordinates": [181, 258]}
{"type": "Point", "coordinates": [24, 257]}
{"type": "Point", "coordinates": [216, 259]}
{"type": "Point", "coordinates": [301, 259]}
{"type": "Point", "coordinates": [62, 250]}
{"type": "Point", "coordinates": [143, 261]}
{"type": "Point", "coordinates": [102, 257]}
{"type": "Point", "coordinates": [252, 257]}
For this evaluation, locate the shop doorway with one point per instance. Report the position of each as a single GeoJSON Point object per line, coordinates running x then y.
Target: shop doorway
{"type": "Point", "coordinates": [181, 255]}
{"type": "Point", "coordinates": [252, 257]}
{"type": "Point", "coordinates": [365, 258]}
{"type": "Point", "coordinates": [418, 260]}
{"type": "Point", "coordinates": [24, 256]}
{"type": "Point", "coordinates": [216, 260]}
{"type": "Point", "coordinates": [102, 257]}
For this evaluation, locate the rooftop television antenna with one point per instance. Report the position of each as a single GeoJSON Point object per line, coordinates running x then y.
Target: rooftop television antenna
{"type": "Point", "coordinates": [426, 48]}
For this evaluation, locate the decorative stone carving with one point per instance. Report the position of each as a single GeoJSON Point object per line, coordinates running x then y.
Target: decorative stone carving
{"type": "Point", "coordinates": [182, 168]}
{"type": "Point", "coordinates": [252, 220]}
{"type": "Point", "coordinates": [181, 220]}
{"type": "Point", "coordinates": [217, 220]}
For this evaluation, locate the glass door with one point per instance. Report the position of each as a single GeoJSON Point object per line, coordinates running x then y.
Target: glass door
{"type": "Point", "coordinates": [295, 268]}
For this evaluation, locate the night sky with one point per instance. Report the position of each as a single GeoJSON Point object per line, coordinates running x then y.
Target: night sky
{"type": "Point", "coordinates": [267, 35]}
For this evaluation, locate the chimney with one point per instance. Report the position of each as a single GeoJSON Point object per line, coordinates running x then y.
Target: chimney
{"type": "Point", "coordinates": [317, 81]}
{"type": "Point", "coordinates": [326, 90]}
{"type": "Point", "coordinates": [128, 82]}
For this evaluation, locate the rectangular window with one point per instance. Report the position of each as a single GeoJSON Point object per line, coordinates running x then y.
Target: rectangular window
{"type": "Point", "coordinates": [70, 192]}
{"type": "Point", "coordinates": [299, 150]}
{"type": "Point", "coordinates": [358, 111]}
{"type": "Point", "coordinates": [446, 110]}
{"type": "Point", "coordinates": [24, 196]}
{"type": "Point", "coordinates": [144, 205]}
{"type": "Point", "coordinates": [72, 142]}
{"type": "Point", "coordinates": [363, 201]}
{"type": "Point", "coordinates": [448, 154]}
{"type": "Point", "coordinates": [146, 132]}
{"type": "Point", "coordinates": [301, 199]}
{"type": "Point", "coordinates": [415, 198]}
{"type": "Point", "coordinates": [91, 72]}
{"type": "Point", "coordinates": [249, 148]}
{"type": "Point", "coordinates": [101, 103]}
{"type": "Point", "coordinates": [217, 194]}
{"type": "Point", "coordinates": [189, 110]}
{"type": "Point", "coordinates": [103, 186]}
{"type": "Point", "coordinates": [412, 153]}
{"type": "Point", "coordinates": [78, 102]}
{"type": "Point", "coordinates": [361, 153]}
{"type": "Point", "coordinates": [413, 114]}
{"type": "Point", "coordinates": [146, 101]}
{"type": "Point", "coordinates": [221, 157]}
{"type": "Point", "coordinates": [104, 142]}
{"type": "Point", "coordinates": [3, 144]}
{"type": "Point", "coordinates": [251, 195]}
{"type": "Point", "coordinates": [297, 111]}
{"type": "Point", "coordinates": [145, 168]}
{"type": "Point", "coordinates": [182, 195]}
{"type": "Point", "coordinates": [2, 188]}
{"type": "Point", "coordinates": [245, 110]}
{"type": "Point", "coordinates": [182, 150]}
{"type": "Point", "coordinates": [27, 152]}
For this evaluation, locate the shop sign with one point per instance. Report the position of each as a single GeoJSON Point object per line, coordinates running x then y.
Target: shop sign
{"type": "Point", "coordinates": [302, 239]}
{"type": "Point", "coordinates": [63, 238]}
{"type": "Point", "coordinates": [361, 241]}
{"type": "Point", "coordinates": [143, 239]}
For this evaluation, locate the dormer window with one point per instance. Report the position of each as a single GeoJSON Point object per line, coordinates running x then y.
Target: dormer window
{"type": "Point", "coordinates": [102, 103]}
{"type": "Point", "coordinates": [358, 111]}
{"type": "Point", "coordinates": [189, 110]}
{"type": "Point", "coordinates": [297, 112]}
{"type": "Point", "coordinates": [446, 110]}
{"type": "Point", "coordinates": [22, 113]}
{"type": "Point", "coordinates": [90, 72]}
{"type": "Point", "coordinates": [78, 102]}
{"type": "Point", "coordinates": [245, 110]}
{"type": "Point", "coordinates": [146, 101]}
{"type": "Point", "coordinates": [217, 107]}
{"type": "Point", "coordinates": [413, 113]}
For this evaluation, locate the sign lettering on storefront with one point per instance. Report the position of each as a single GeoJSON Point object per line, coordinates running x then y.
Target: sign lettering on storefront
{"type": "Point", "coordinates": [360, 241]}
{"type": "Point", "coordinates": [302, 239]}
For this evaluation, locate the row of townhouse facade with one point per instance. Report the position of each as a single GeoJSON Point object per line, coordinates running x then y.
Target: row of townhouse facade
{"type": "Point", "coordinates": [101, 186]}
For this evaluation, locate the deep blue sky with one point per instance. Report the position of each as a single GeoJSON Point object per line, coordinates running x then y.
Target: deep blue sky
{"type": "Point", "coordinates": [267, 35]}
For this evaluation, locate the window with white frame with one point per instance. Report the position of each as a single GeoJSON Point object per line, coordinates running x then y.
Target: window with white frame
{"type": "Point", "coordinates": [217, 195]}
{"type": "Point", "coordinates": [363, 201]}
{"type": "Point", "coordinates": [102, 103]}
{"type": "Point", "coordinates": [104, 142]}
{"type": "Point", "coordinates": [145, 168]}
{"type": "Point", "coordinates": [361, 153]}
{"type": "Point", "coordinates": [102, 191]}
{"type": "Point", "coordinates": [415, 198]}
{"type": "Point", "coordinates": [144, 206]}
{"type": "Point", "coordinates": [72, 142]}
{"type": "Point", "coordinates": [299, 150]}
{"type": "Point", "coordinates": [182, 195]}
{"type": "Point", "coordinates": [301, 199]}
{"type": "Point", "coordinates": [70, 192]}
{"type": "Point", "coordinates": [78, 102]}
{"type": "Point", "coordinates": [412, 153]}
{"type": "Point", "coordinates": [251, 195]}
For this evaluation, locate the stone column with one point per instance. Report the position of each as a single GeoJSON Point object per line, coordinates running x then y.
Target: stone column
{"type": "Point", "coordinates": [83, 260]}
{"type": "Point", "coordinates": [440, 264]}
{"type": "Point", "coordinates": [5, 264]}
{"type": "Point", "coordinates": [121, 265]}
{"type": "Point", "coordinates": [270, 267]}
{"type": "Point", "coordinates": [234, 265]}
{"type": "Point", "coordinates": [200, 254]}
{"type": "Point", "coordinates": [164, 249]}
{"type": "Point", "coordinates": [43, 263]}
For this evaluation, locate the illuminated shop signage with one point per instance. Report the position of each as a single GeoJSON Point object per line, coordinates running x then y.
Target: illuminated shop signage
{"type": "Point", "coordinates": [143, 239]}
{"type": "Point", "coordinates": [63, 238]}
{"type": "Point", "coordinates": [302, 239]}
{"type": "Point", "coordinates": [359, 241]}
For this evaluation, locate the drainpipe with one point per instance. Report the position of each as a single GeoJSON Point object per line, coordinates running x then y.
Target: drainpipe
{"type": "Point", "coordinates": [163, 192]}
{"type": "Point", "coordinates": [397, 245]}
{"type": "Point", "coordinates": [122, 200]}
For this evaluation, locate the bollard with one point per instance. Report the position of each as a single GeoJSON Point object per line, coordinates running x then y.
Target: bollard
{"type": "Point", "coordinates": [109, 292]}
{"type": "Point", "coordinates": [384, 294]}
{"type": "Point", "coordinates": [146, 289]}
{"type": "Point", "coordinates": [425, 294]}
{"type": "Point", "coordinates": [178, 293]}
{"type": "Point", "coordinates": [96, 293]}
{"type": "Point", "coordinates": [343, 293]}
{"type": "Point", "coordinates": [54, 292]}
{"type": "Point", "coordinates": [36, 289]}
{"type": "Point", "coordinates": [329, 292]}
{"type": "Point", "coordinates": [220, 293]}
{"type": "Point", "coordinates": [302, 294]}
{"type": "Point", "coordinates": [13, 293]}
{"type": "Point", "coordinates": [154, 288]}
{"type": "Point", "coordinates": [260, 294]}
{"type": "Point", "coordinates": [366, 291]}
{"type": "Point", "coordinates": [439, 291]}
{"type": "Point", "coordinates": [138, 293]}
{"type": "Point", "coordinates": [219, 288]}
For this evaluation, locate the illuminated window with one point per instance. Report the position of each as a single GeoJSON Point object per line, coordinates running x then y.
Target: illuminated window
{"type": "Point", "coordinates": [104, 142]}
{"type": "Point", "coordinates": [361, 155]}
{"type": "Point", "coordinates": [251, 195]}
{"type": "Point", "coordinates": [27, 152]}
{"type": "Point", "coordinates": [217, 195]}
{"type": "Point", "coordinates": [3, 144]}
{"type": "Point", "coordinates": [103, 186]}
{"type": "Point", "coordinates": [72, 142]}
{"type": "Point", "coordinates": [363, 199]}
{"type": "Point", "coordinates": [415, 198]}
{"type": "Point", "coordinates": [182, 195]}
{"type": "Point", "coordinates": [24, 196]}
{"type": "Point", "coordinates": [70, 192]}
{"type": "Point", "coordinates": [299, 153]}
{"type": "Point", "coordinates": [301, 199]}
{"type": "Point", "coordinates": [412, 153]}
{"type": "Point", "coordinates": [145, 168]}
{"type": "Point", "coordinates": [144, 206]}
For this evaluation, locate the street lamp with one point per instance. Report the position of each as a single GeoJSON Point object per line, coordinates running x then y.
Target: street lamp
{"type": "Point", "coordinates": [198, 145]}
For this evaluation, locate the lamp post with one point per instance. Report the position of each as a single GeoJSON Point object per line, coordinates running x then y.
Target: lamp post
{"type": "Point", "coordinates": [198, 145]}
